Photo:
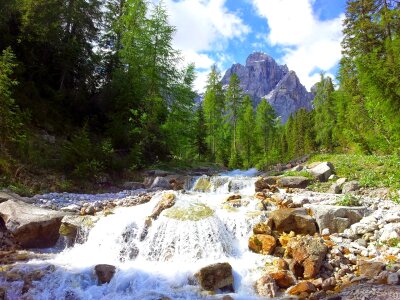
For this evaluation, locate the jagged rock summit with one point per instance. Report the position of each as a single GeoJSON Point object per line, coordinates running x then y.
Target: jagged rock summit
{"type": "Point", "coordinates": [262, 77]}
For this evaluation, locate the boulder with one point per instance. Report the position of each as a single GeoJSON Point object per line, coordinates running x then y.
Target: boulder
{"type": "Point", "coordinates": [264, 183]}
{"type": "Point", "coordinates": [350, 186]}
{"type": "Point", "coordinates": [322, 171]}
{"type": "Point", "coordinates": [215, 276]}
{"type": "Point", "coordinates": [292, 219]}
{"type": "Point", "coordinates": [293, 182]}
{"type": "Point", "coordinates": [336, 218]}
{"type": "Point", "coordinates": [304, 287]}
{"type": "Point", "coordinates": [266, 287]}
{"type": "Point", "coordinates": [32, 227]}
{"type": "Point", "coordinates": [262, 244]}
{"type": "Point", "coordinates": [104, 273]}
{"type": "Point", "coordinates": [167, 201]}
{"type": "Point", "coordinates": [283, 279]}
{"type": "Point", "coordinates": [369, 268]}
{"type": "Point", "coordinates": [307, 253]}
{"type": "Point", "coordinates": [161, 183]}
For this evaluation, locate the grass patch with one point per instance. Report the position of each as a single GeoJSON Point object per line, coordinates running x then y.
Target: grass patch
{"type": "Point", "coordinates": [195, 212]}
{"type": "Point", "coordinates": [302, 173]}
{"type": "Point", "coordinates": [369, 170]}
{"type": "Point", "coordinates": [349, 200]}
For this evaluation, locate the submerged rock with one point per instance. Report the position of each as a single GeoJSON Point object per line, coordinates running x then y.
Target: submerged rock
{"type": "Point", "coordinates": [32, 227]}
{"type": "Point", "coordinates": [104, 273]}
{"type": "Point", "coordinates": [215, 276]}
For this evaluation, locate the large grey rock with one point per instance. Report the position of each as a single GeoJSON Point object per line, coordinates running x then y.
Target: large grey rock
{"type": "Point", "coordinates": [33, 227]}
{"type": "Point", "coordinates": [262, 77]}
{"type": "Point", "coordinates": [293, 182]}
{"type": "Point", "coordinates": [292, 219]}
{"type": "Point", "coordinates": [336, 218]}
{"type": "Point", "coordinates": [322, 171]}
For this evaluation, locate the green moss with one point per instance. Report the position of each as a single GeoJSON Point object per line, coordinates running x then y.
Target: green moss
{"type": "Point", "coordinates": [203, 185]}
{"type": "Point", "coordinates": [194, 212]}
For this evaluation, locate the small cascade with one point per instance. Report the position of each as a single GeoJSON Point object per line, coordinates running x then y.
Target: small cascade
{"type": "Point", "coordinates": [225, 184]}
{"type": "Point", "coordinates": [198, 230]}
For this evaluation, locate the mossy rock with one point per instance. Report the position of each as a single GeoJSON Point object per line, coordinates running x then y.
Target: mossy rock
{"type": "Point", "coordinates": [67, 230]}
{"type": "Point", "coordinates": [203, 184]}
{"type": "Point", "coordinates": [195, 212]}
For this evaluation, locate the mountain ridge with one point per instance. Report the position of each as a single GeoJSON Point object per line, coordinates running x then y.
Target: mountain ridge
{"type": "Point", "coordinates": [262, 77]}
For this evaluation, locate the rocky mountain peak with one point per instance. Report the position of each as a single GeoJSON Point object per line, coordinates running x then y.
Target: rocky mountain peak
{"type": "Point", "coordinates": [257, 57]}
{"type": "Point", "coordinates": [263, 77]}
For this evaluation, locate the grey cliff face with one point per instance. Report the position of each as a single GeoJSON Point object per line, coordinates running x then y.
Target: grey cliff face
{"type": "Point", "coordinates": [262, 77]}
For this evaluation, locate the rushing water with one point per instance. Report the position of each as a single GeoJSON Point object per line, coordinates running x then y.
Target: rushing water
{"type": "Point", "coordinates": [197, 231]}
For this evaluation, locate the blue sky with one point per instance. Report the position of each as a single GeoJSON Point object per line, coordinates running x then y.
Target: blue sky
{"type": "Point", "coordinates": [304, 34]}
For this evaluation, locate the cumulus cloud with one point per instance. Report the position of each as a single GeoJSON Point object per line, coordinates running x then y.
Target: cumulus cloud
{"type": "Point", "coordinates": [309, 44]}
{"type": "Point", "coordinates": [203, 26]}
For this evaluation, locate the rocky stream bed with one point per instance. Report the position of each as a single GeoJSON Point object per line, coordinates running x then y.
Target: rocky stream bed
{"type": "Point", "coordinates": [231, 236]}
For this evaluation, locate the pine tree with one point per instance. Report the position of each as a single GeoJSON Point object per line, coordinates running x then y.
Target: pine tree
{"type": "Point", "coordinates": [246, 133]}
{"type": "Point", "coordinates": [200, 133]}
{"type": "Point", "coordinates": [325, 118]}
{"type": "Point", "coordinates": [213, 105]}
{"type": "Point", "coordinates": [265, 125]}
{"type": "Point", "coordinates": [234, 100]}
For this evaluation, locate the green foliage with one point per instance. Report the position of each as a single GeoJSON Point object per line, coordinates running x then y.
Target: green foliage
{"type": "Point", "coordinates": [349, 200]}
{"type": "Point", "coordinates": [11, 117]}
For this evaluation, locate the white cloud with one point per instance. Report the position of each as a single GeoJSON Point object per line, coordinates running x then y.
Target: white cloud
{"type": "Point", "coordinates": [203, 26]}
{"type": "Point", "coordinates": [310, 44]}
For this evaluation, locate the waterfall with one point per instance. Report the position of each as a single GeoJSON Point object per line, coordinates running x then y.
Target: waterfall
{"type": "Point", "coordinates": [198, 230]}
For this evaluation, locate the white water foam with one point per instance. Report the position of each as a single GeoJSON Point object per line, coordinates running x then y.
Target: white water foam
{"type": "Point", "coordinates": [164, 262]}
